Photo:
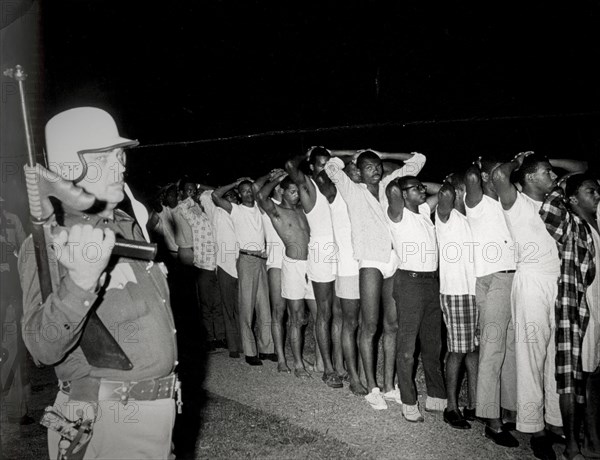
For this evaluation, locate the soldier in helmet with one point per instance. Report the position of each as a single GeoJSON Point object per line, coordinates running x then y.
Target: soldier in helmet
{"type": "Point", "coordinates": [131, 410]}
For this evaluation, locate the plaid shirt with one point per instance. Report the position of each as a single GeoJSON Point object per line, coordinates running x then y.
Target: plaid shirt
{"type": "Point", "coordinates": [576, 247]}
{"type": "Point", "coordinates": [205, 248]}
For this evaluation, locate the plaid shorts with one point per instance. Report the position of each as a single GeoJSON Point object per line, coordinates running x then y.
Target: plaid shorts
{"type": "Point", "coordinates": [461, 316]}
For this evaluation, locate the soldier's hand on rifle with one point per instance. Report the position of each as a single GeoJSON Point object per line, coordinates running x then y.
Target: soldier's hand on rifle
{"type": "Point", "coordinates": [84, 251]}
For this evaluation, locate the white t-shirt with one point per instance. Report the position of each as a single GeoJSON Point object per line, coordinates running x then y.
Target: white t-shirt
{"type": "Point", "coordinates": [249, 228]}
{"type": "Point", "coordinates": [457, 270]}
{"type": "Point", "coordinates": [166, 227]}
{"type": "Point", "coordinates": [227, 248]}
{"type": "Point", "coordinates": [590, 353]}
{"type": "Point", "coordinates": [415, 241]}
{"type": "Point", "coordinates": [535, 249]}
{"type": "Point", "coordinates": [492, 245]}
{"type": "Point", "coordinates": [347, 265]}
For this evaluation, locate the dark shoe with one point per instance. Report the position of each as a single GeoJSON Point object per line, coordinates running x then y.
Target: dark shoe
{"type": "Point", "coordinates": [455, 419]}
{"type": "Point", "coordinates": [556, 438]}
{"type": "Point", "coordinates": [253, 361]}
{"type": "Point", "coordinates": [502, 438]}
{"type": "Point", "coordinates": [268, 356]}
{"type": "Point", "coordinates": [469, 414]}
{"type": "Point", "coordinates": [26, 420]}
{"type": "Point", "coordinates": [542, 448]}
{"type": "Point", "coordinates": [234, 354]}
{"type": "Point", "coordinates": [509, 426]}
{"type": "Point", "coordinates": [332, 380]}
{"type": "Point", "coordinates": [220, 343]}
{"type": "Point", "coordinates": [210, 346]}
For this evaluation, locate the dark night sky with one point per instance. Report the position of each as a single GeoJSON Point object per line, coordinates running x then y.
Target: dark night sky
{"type": "Point", "coordinates": [185, 71]}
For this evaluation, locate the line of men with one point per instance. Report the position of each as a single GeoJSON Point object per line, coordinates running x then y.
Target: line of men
{"type": "Point", "coordinates": [352, 236]}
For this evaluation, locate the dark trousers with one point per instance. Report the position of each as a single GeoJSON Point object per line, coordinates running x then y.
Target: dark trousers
{"type": "Point", "coordinates": [229, 296]}
{"type": "Point", "coordinates": [419, 317]}
{"type": "Point", "coordinates": [209, 297]}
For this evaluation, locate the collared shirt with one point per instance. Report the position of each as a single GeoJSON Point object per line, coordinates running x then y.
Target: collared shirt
{"type": "Point", "coordinates": [577, 270]}
{"type": "Point", "coordinates": [134, 306]}
{"type": "Point", "coordinates": [371, 239]}
{"type": "Point", "coordinates": [203, 238]}
{"type": "Point", "coordinates": [227, 248]}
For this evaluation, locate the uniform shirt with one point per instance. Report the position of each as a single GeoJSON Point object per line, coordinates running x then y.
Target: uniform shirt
{"type": "Point", "coordinates": [226, 244]}
{"type": "Point", "coordinates": [249, 228]}
{"type": "Point", "coordinates": [415, 241]}
{"type": "Point", "coordinates": [371, 239]}
{"type": "Point", "coordinates": [134, 306]}
{"type": "Point", "coordinates": [203, 237]}
{"type": "Point", "coordinates": [457, 270]}
{"type": "Point", "coordinates": [492, 245]}
{"type": "Point", "coordinates": [535, 249]}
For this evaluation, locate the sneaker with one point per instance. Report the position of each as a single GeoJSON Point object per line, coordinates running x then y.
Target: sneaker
{"type": "Point", "coordinates": [412, 413]}
{"type": "Point", "coordinates": [375, 399]}
{"type": "Point", "coordinates": [435, 404]}
{"type": "Point", "coordinates": [393, 395]}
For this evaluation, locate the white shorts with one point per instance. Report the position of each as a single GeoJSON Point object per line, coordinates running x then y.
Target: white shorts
{"type": "Point", "coordinates": [387, 269]}
{"type": "Point", "coordinates": [347, 287]}
{"type": "Point", "coordinates": [294, 282]}
{"type": "Point", "coordinates": [322, 259]}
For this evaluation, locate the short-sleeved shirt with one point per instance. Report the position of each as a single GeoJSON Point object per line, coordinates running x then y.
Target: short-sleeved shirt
{"type": "Point", "coordinates": [203, 238]}
{"type": "Point", "coordinates": [536, 250]}
{"type": "Point", "coordinates": [492, 245]}
{"type": "Point", "coordinates": [415, 241]}
{"type": "Point", "coordinates": [249, 228]}
{"type": "Point", "coordinates": [457, 270]}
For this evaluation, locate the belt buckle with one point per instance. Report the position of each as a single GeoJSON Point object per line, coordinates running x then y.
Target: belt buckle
{"type": "Point", "coordinates": [413, 274]}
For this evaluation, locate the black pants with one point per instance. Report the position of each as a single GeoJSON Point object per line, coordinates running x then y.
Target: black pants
{"type": "Point", "coordinates": [229, 295]}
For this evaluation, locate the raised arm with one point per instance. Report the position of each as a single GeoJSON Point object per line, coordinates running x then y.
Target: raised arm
{"type": "Point", "coordinates": [395, 201]}
{"type": "Point", "coordinates": [308, 191]}
{"type": "Point", "coordinates": [571, 166]}
{"type": "Point", "coordinates": [218, 194]}
{"type": "Point", "coordinates": [473, 186]}
{"type": "Point", "coordinates": [446, 197]}
{"type": "Point", "coordinates": [262, 195]}
{"type": "Point", "coordinates": [507, 192]}
{"type": "Point", "coordinates": [433, 189]}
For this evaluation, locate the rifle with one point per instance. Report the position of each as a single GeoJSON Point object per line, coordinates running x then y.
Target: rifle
{"type": "Point", "coordinates": [97, 343]}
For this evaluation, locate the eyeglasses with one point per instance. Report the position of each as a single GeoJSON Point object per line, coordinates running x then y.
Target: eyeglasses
{"type": "Point", "coordinates": [420, 187]}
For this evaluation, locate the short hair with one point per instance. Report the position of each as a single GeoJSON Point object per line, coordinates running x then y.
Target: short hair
{"type": "Point", "coordinates": [404, 180]}
{"type": "Point", "coordinates": [489, 163]}
{"type": "Point", "coordinates": [318, 152]}
{"type": "Point", "coordinates": [366, 155]}
{"type": "Point", "coordinates": [574, 183]}
{"type": "Point", "coordinates": [286, 182]}
{"type": "Point", "coordinates": [244, 182]}
{"type": "Point", "coordinates": [185, 180]}
{"type": "Point", "coordinates": [530, 165]}
{"type": "Point", "coordinates": [457, 180]}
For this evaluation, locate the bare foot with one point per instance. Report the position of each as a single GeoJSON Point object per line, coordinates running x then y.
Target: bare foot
{"type": "Point", "coordinates": [344, 376]}
{"type": "Point", "coordinates": [308, 365]}
{"type": "Point", "coordinates": [302, 373]}
{"type": "Point", "coordinates": [358, 389]}
{"type": "Point", "coordinates": [283, 367]}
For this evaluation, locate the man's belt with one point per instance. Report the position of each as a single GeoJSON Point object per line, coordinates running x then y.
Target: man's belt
{"type": "Point", "coordinates": [146, 390]}
{"type": "Point", "coordinates": [430, 275]}
{"type": "Point", "coordinates": [253, 254]}
{"type": "Point", "coordinates": [506, 271]}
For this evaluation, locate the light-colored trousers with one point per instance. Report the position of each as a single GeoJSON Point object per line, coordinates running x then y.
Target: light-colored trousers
{"type": "Point", "coordinates": [140, 429]}
{"type": "Point", "coordinates": [497, 376]}
{"type": "Point", "coordinates": [253, 294]}
{"type": "Point", "coordinates": [533, 298]}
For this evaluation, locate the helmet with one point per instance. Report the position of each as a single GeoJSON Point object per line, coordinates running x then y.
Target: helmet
{"type": "Point", "coordinates": [73, 133]}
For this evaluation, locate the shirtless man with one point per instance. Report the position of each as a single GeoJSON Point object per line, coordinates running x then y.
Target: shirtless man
{"type": "Point", "coordinates": [291, 225]}
{"type": "Point", "coordinates": [321, 265]}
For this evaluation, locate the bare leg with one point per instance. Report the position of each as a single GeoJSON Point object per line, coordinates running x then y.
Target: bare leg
{"type": "Point", "coordinates": [472, 364]}
{"type": "Point", "coordinates": [350, 311]}
{"type": "Point", "coordinates": [336, 337]}
{"type": "Point", "coordinates": [318, 364]}
{"type": "Point", "coordinates": [324, 298]}
{"type": "Point", "coordinates": [277, 316]}
{"type": "Point", "coordinates": [453, 364]}
{"type": "Point", "coordinates": [571, 415]}
{"type": "Point", "coordinates": [297, 322]}
{"type": "Point", "coordinates": [390, 330]}
{"type": "Point", "coordinates": [370, 280]}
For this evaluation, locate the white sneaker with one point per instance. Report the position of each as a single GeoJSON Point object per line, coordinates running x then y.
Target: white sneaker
{"type": "Point", "coordinates": [393, 395]}
{"type": "Point", "coordinates": [375, 399]}
{"type": "Point", "coordinates": [435, 404]}
{"type": "Point", "coordinates": [412, 413]}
